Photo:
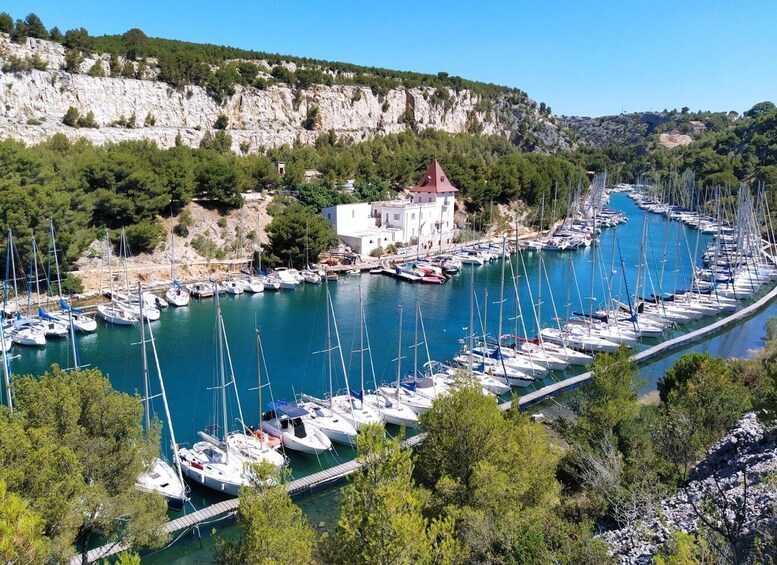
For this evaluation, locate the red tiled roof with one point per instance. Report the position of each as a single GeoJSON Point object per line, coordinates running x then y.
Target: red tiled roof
{"type": "Point", "coordinates": [434, 180]}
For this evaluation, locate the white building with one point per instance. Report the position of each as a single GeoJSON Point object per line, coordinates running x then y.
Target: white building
{"type": "Point", "coordinates": [425, 220]}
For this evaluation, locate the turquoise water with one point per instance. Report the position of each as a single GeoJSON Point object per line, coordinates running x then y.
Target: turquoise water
{"type": "Point", "coordinates": [293, 326]}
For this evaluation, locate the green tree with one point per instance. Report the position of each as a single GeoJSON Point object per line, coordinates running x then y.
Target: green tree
{"type": "Point", "coordinates": [273, 529]}
{"type": "Point", "coordinates": [381, 513]}
{"type": "Point", "coordinates": [79, 40]}
{"type": "Point", "coordinates": [760, 109]}
{"type": "Point", "coordinates": [6, 22]}
{"type": "Point", "coordinates": [704, 391]}
{"type": "Point", "coordinates": [21, 537]}
{"type": "Point", "coordinates": [35, 27]}
{"type": "Point", "coordinates": [136, 43]}
{"type": "Point", "coordinates": [74, 448]}
{"type": "Point", "coordinates": [71, 117]}
{"type": "Point", "coordinates": [610, 396]}
{"type": "Point", "coordinates": [297, 233]}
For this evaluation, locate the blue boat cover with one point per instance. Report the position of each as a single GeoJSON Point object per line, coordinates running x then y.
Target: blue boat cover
{"type": "Point", "coordinates": [287, 408]}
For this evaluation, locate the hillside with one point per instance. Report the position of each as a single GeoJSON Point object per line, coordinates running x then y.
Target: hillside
{"type": "Point", "coordinates": [284, 102]}
{"type": "Point", "coordinates": [640, 128]}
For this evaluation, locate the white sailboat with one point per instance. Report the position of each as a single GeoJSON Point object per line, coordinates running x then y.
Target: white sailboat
{"type": "Point", "coordinates": [114, 312]}
{"type": "Point", "coordinates": [160, 477]}
{"type": "Point", "coordinates": [335, 415]}
{"type": "Point", "coordinates": [224, 463]}
{"type": "Point", "coordinates": [75, 317]}
{"type": "Point", "coordinates": [176, 294]}
{"type": "Point", "coordinates": [390, 408]}
{"type": "Point", "coordinates": [22, 330]}
{"type": "Point", "coordinates": [287, 422]}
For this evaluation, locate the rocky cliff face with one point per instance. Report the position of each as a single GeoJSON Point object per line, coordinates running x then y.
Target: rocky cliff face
{"type": "Point", "coordinates": [746, 456]}
{"type": "Point", "coordinates": [33, 103]}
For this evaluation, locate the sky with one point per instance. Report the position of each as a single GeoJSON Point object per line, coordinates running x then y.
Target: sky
{"type": "Point", "coordinates": [584, 58]}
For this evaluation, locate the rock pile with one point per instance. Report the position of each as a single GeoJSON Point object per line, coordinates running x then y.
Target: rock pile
{"type": "Point", "coordinates": [747, 455]}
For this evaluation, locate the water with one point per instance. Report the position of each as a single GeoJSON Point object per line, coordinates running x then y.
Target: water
{"type": "Point", "coordinates": [293, 327]}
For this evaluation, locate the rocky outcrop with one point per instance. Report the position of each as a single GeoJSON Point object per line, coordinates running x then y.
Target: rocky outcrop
{"type": "Point", "coordinates": [33, 103]}
{"type": "Point", "coordinates": [614, 130]}
{"type": "Point", "coordinates": [748, 454]}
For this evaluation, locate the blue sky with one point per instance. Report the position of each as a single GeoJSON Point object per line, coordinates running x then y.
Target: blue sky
{"type": "Point", "coordinates": [579, 57]}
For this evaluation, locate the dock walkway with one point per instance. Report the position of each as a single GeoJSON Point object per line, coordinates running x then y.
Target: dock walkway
{"type": "Point", "coordinates": [333, 475]}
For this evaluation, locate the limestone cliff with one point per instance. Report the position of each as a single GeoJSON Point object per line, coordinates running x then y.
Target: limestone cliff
{"type": "Point", "coordinates": [33, 103]}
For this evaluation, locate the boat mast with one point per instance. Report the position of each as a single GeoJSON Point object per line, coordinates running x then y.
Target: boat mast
{"type": "Point", "coordinates": [56, 259]}
{"type": "Point", "coordinates": [146, 387]}
{"type": "Point", "coordinates": [361, 338]}
{"type": "Point", "coordinates": [173, 443]}
{"type": "Point", "coordinates": [110, 269]}
{"type": "Point", "coordinates": [471, 314]}
{"type": "Point", "coordinates": [399, 351]}
{"type": "Point", "coordinates": [259, 374]}
{"type": "Point", "coordinates": [501, 298]}
{"type": "Point", "coordinates": [328, 341]}
{"type": "Point", "coordinates": [222, 376]}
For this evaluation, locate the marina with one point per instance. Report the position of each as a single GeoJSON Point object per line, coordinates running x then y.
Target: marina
{"type": "Point", "coordinates": [293, 323]}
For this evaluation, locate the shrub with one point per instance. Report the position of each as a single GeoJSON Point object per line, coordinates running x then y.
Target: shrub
{"type": "Point", "coordinates": [96, 70]}
{"type": "Point", "coordinates": [222, 122]}
{"type": "Point", "coordinates": [312, 121]}
{"type": "Point", "coordinates": [150, 120]}
{"type": "Point", "coordinates": [34, 122]}
{"type": "Point", "coordinates": [37, 63]}
{"type": "Point", "coordinates": [87, 121]}
{"type": "Point", "coordinates": [71, 117]}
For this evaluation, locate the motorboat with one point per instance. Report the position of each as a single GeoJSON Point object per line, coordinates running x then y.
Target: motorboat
{"type": "Point", "coordinates": [287, 422]}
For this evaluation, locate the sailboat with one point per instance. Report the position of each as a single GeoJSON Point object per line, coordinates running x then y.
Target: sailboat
{"type": "Point", "coordinates": [390, 408]}
{"type": "Point", "coordinates": [223, 463]}
{"type": "Point", "coordinates": [350, 407]}
{"type": "Point", "coordinates": [129, 302]}
{"type": "Point", "coordinates": [68, 315]}
{"type": "Point", "coordinates": [161, 477]}
{"type": "Point", "coordinates": [49, 325]}
{"type": "Point", "coordinates": [22, 330]}
{"type": "Point", "coordinates": [286, 421]}
{"type": "Point", "coordinates": [176, 294]}
{"type": "Point", "coordinates": [114, 312]}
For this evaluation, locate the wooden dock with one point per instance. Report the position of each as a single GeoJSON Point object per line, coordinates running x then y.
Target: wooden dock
{"type": "Point", "coordinates": [334, 475]}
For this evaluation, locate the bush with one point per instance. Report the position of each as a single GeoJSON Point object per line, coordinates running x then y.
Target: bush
{"type": "Point", "coordinates": [144, 236]}
{"type": "Point", "coordinates": [87, 121]}
{"type": "Point", "coordinates": [71, 117]}
{"type": "Point", "coordinates": [150, 120]}
{"type": "Point", "coordinates": [222, 122]}
{"type": "Point", "coordinates": [377, 252]}
{"type": "Point", "coordinates": [96, 70]}
{"type": "Point", "coordinates": [312, 120]}
{"type": "Point", "coordinates": [72, 284]}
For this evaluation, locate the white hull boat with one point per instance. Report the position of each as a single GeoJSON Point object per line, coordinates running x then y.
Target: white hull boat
{"type": "Point", "coordinates": [332, 425]}
{"type": "Point", "coordinates": [177, 296]}
{"type": "Point", "coordinates": [117, 315]}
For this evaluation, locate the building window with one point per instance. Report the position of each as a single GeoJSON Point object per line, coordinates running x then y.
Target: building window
{"type": "Point", "coordinates": [412, 216]}
{"type": "Point", "coordinates": [353, 213]}
{"type": "Point", "coordinates": [329, 215]}
{"type": "Point", "coordinates": [396, 217]}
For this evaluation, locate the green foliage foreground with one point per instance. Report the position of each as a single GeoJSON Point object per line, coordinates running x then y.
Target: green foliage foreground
{"type": "Point", "coordinates": [72, 450]}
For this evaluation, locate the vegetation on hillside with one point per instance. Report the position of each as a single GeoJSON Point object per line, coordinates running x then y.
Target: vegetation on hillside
{"type": "Point", "coordinates": [724, 154]}
{"type": "Point", "coordinates": [84, 188]}
{"type": "Point", "coordinates": [219, 68]}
